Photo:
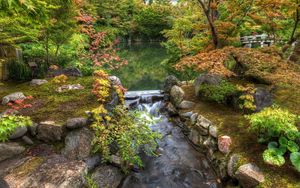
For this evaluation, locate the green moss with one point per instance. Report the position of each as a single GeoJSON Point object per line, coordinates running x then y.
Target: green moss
{"type": "Point", "coordinates": [51, 105]}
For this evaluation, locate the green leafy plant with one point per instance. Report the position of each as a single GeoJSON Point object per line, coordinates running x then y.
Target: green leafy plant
{"type": "Point", "coordinates": [295, 159]}
{"type": "Point", "coordinates": [19, 71]}
{"type": "Point", "coordinates": [125, 132]}
{"type": "Point", "coordinates": [246, 99]}
{"type": "Point", "coordinates": [218, 93]}
{"type": "Point", "coordinates": [8, 125]}
{"type": "Point", "coordinates": [275, 123]}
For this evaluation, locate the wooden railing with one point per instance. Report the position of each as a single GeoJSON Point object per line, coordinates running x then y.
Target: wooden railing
{"type": "Point", "coordinates": [257, 40]}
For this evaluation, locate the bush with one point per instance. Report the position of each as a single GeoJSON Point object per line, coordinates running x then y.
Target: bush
{"type": "Point", "coordinates": [218, 93]}
{"type": "Point", "coordinates": [8, 125]}
{"type": "Point", "coordinates": [19, 71]}
{"type": "Point", "coordinates": [278, 126]}
{"type": "Point", "coordinates": [125, 132]}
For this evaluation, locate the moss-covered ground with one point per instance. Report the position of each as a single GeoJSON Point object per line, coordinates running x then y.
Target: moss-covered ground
{"type": "Point", "coordinates": [48, 104]}
{"type": "Point", "coordinates": [234, 124]}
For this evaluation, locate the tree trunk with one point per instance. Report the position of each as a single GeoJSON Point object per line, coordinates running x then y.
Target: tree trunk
{"type": "Point", "coordinates": [56, 53]}
{"type": "Point", "coordinates": [297, 20]}
{"type": "Point", "coordinates": [214, 33]}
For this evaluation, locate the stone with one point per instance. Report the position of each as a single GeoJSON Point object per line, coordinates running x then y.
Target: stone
{"type": "Point", "coordinates": [115, 81]}
{"type": "Point", "coordinates": [49, 131]}
{"type": "Point", "coordinates": [213, 131]}
{"type": "Point", "coordinates": [52, 171]}
{"type": "Point", "coordinates": [176, 95]}
{"type": "Point", "coordinates": [72, 71]}
{"type": "Point", "coordinates": [92, 162]}
{"type": "Point", "coordinates": [210, 79]}
{"type": "Point", "coordinates": [193, 118]}
{"type": "Point", "coordinates": [33, 129]}
{"type": "Point", "coordinates": [107, 176]}
{"type": "Point", "coordinates": [224, 143]}
{"type": "Point", "coordinates": [74, 123]}
{"type": "Point", "coordinates": [9, 112]}
{"type": "Point", "coordinates": [78, 144]}
{"type": "Point", "coordinates": [202, 131]}
{"type": "Point", "coordinates": [169, 83]}
{"type": "Point", "coordinates": [27, 140]}
{"type": "Point", "coordinates": [262, 98]}
{"type": "Point", "coordinates": [10, 149]}
{"type": "Point", "coordinates": [211, 143]}
{"type": "Point", "coordinates": [186, 105]}
{"type": "Point", "coordinates": [69, 87]}
{"type": "Point", "coordinates": [13, 97]}
{"type": "Point", "coordinates": [38, 82]}
{"type": "Point", "coordinates": [172, 111]}
{"type": "Point", "coordinates": [249, 175]}
{"type": "Point", "coordinates": [186, 115]}
{"type": "Point", "coordinates": [132, 104]}
{"type": "Point", "coordinates": [232, 165]}
{"type": "Point", "coordinates": [18, 133]}
{"type": "Point", "coordinates": [194, 137]}
{"type": "Point", "coordinates": [116, 160]}
{"type": "Point", "coordinates": [203, 122]}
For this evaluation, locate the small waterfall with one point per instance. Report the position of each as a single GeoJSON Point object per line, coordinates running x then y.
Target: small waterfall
{"type": "Point", "coordinates": [19, 55]}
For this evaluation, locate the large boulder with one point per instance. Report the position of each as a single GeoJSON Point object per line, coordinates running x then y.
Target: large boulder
{"type": "Point", "coordinates": [186, 105]}
{"type": "Point", "coordinates": [107, 176]}
{"type": "Point", "coordinates": [18, 133]}
{"type": "Point", "coordinates": [78, 144]}
{"type": "Point", "coordinates": [54, 171]}
{"type": "Point", "coordinates": [74, 123]}
{"type": "Point", "coordinates": [177, 95]}
{"type": "Point", "coordinates": [49, 131]}
{"type": "Point", "coordinates": [10, 149]}
{"type": "Point", "coordinates": [169, 83]}
{"type": "Point", "coordinates": [249, 175]}
{"type": "Point", "coordinates": [71, 71]}
{"type": "Point", "coordinates": [262, 98]}
{"type": "Point", "coordinates": [13, 97]}
{"type": "Point", "coordinates": [210, 79]}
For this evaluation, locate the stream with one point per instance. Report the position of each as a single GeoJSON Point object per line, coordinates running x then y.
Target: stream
{"type": "Point", "coordinates": [178, 164]}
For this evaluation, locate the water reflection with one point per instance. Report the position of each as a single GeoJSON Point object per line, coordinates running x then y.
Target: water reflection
{"type": "Point", "coordinates": [144, 70]}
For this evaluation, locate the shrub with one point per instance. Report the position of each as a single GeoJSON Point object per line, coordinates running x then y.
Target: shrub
{"type": "Point", "coordinates": [19, 71]}
{"type": "Point", "coordinates": [246, 99]}
{"type": "Point", "coordinates": [60, 79]}
{"type": "Point", "coordinates": [128, 132]}
{"type": "Point", "coordinates": [218, 93]}
{"type": "Point", "coordinates": [8, 124]}
{"type": "Point", "coordinates": [274, 122]}
{"type": "Point", "coordinates": [279, 125]}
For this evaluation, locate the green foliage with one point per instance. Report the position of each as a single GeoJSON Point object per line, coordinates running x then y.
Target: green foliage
{"type": "Point", "coordinates": [295, 159]}
{"type": "Point", "coordinates": [218, 93]}
{"type": "Point", "coordinates": [275, 123]}
{"type": "Point", "coordinates": [90, 182]}
{"type": "Point", "coordinates": [128, 132]}
{"type": "Point", "coordinates": [19, 71]}
{"type": "Point", "coordinates": [273, 157]}
{"type": "Point", "coordinates": [9, 123]}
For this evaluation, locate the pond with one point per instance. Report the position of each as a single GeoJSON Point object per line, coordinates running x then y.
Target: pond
{"type": "Point", "coordinates": [144, 70]}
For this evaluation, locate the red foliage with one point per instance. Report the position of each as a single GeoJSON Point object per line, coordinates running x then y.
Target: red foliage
{"type": "Point", "coordinates": [101, 51]}
{"type": "Point", "coordinates": [19, 104]}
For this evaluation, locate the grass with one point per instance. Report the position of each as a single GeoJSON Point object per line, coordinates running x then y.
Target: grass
{"type": "Point", "coordinates": [233, 123]}
{"type": "Point", "coordinates": [48, 104]}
